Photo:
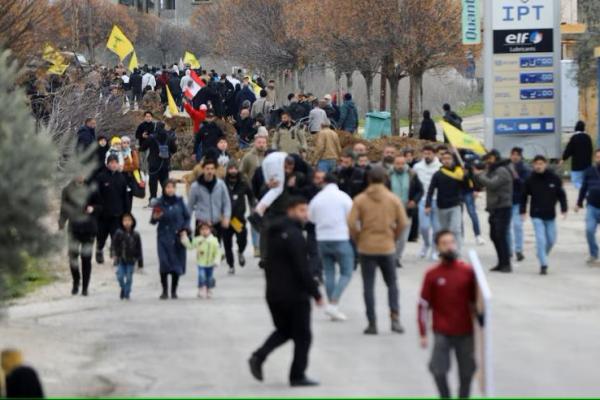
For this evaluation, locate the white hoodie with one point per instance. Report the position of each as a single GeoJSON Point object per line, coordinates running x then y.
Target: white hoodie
{"type": "Point", "coordinates": [425, 172]}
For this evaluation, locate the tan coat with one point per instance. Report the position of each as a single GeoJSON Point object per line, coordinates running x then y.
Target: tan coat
{"type": "Point", "coordinates": [327, 145]}
{"type": "Point", "coordinates": [377, 220]}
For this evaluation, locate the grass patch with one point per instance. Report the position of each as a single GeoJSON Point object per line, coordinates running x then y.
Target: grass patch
{"type": "Point", "coordinates": [33, 277]}
{"type": "Point", "coordinates": [472, 109]}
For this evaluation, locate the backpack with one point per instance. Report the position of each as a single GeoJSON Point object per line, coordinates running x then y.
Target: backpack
{"type": "Point", "coordinates": [163, 149]}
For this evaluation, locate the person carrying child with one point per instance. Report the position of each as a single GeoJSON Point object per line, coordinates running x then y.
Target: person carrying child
{"type": "Point", "coordinates": [208, 256]}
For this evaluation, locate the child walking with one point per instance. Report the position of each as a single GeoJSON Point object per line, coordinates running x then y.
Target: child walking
{"type": "Point", "coordinates": [127, 251]}
{"type": "Point", "coordinates": [208, 256]}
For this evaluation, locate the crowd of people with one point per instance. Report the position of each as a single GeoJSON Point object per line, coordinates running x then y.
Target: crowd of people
{"type": "Point", "coordinates": [314, 211]}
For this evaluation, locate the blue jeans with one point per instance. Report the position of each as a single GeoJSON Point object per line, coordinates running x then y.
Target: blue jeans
{"type": "Point", "coordinates": [341, 252]}
{"type": "Point", "coordinates": [428, 224]}
{"type": "Point", "coordinates": [326, 165]}
{"type": "Point", "coordinates": [125, 278]}
{"type": "Point", "coordinates": [516, 232]}
{"type": "Point", "coordinates": [545, 237]}
{"type": "Point", "coordinates": [255, 238]}
{"type": "Point", "coordinates": [577, 178]}
{"type": "Point", "coordinates": [592, 219]}
{"type": "Point", "coordinates": [472, 211]}
{"type": "Point", "coordinates": [205, 277]}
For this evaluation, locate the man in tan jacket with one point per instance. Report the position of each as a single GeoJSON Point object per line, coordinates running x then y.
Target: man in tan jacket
{"type": "Point", "coordinates": [327, 148]}
{"type": "Point", "coordinates": [376, 221]}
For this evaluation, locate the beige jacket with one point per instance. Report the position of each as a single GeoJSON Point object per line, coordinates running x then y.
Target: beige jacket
{"type": "Point", "coordinates": [376, 220]}
{"type": "Point", "coordinates": [327, 145]}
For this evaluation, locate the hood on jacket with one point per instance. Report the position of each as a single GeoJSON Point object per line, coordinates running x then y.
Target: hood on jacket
{"type": "Point", "coordinates": [376, 191]}
{"type": "Point", "coordinates": [132, 218]}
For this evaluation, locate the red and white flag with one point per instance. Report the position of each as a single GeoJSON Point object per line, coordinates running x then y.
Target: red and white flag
{"type": "Point", "coordinates": [193, 86]}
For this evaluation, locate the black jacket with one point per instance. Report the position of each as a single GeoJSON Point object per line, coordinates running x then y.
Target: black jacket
{"type": "Point", "coordinates": [245, 129]}
{"type": "Point", "coordinates": [127, 246]}
{"type": "Point", "coordinates": [428, 130]}
{"type": "Point", "coordinates": [162, 137]}
{"type": "Point", "coordinates": [208, 136]}
{"type": "Point", "coordinates": [86, 136]}
{"type": "Point", "coordinates": [112, 189]}
{"type": "Point", "coordinates": [579, 149]}
{"type": "Point", "coordinates": [135, 82]}
{"type": "Point", "coordinates": [449, 190]}
{"type": "Point", "coordinates": [352, 180]}
{"type": "Point", "coordinates": [75, 199]}
{"type": "Point", "coordinates": [239, 190]}
{"type": "Point", "coordinates": [522, 173]}
{"type": "Point", "coordinates": [545, 190]}
{"type": "Point", "coordinates": [174, 84]}
{"type": "Point", "coordinates": [590, 189]}
{"type": "Point", "coordinates": [23, 382]}
{"type": "Point", "coordinates": [147, 127]}
{"type": "Point", "coordinates": [287, 268]}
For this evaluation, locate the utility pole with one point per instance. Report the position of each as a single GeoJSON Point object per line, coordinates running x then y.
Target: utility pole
{"type": "Point", "coordinates": [382, 92]}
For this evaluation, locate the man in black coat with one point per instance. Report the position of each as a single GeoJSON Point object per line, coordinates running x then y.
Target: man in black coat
{"type": "Point", "coordinates": [160, 146]}
{"type": "Point", "coordinates": [239, 190]}
{"type": "Point", "coordinates": [579, 150]}
{"type": "Point", "coordinates": [112, 190]}
{"type": "Point", "coordinates": [135, 82]}
{"type": "Point", "coordinates": [290, 286]}
{"type": "Point", "coordinates": [86, 135]}
{"type": "Point", "coordinates": [174, 84]}
{"type": "Point", "coordinates": [207, 138]}
{"type": "Point", "coordinates": [80, 207]}
{"type": "Point", "coordinates": [428, 130]}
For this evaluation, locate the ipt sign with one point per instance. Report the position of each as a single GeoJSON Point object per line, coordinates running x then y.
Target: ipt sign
{"type": "Point", "coordinates": [523, 14]}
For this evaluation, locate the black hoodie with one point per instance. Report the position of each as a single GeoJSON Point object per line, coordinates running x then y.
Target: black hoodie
{"type": "Point", "coordinates": [545, 190]}
{"type": "Point", "coordinates": [160, 138]}
{"type": "Point", "coordinates": [127, 246]}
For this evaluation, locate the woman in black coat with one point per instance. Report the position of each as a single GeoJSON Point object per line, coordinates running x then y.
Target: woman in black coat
{"type": "Point", "coordinates": [428, 131]}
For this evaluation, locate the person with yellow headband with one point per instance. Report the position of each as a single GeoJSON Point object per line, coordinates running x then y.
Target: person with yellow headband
{"type": "Point", "coordinates": [116, 149]}
{"type": "Point", "coordinates": [16, 379]}
{"type": "Point", "coordinates": [449, 182]}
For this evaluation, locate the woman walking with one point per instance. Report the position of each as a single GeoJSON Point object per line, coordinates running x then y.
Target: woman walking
{"type": "Point", "coordinates": [172, 216]}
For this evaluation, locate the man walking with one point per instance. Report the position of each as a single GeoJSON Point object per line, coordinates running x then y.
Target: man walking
{"type": "Point", "coordinates": [290, 286]}
{"type": "Point", "coordinates": [545, 189]}
{"type": "Point", "coordinates": [449, 292]}
{"type": "Point", "coordinates": [449, 183]}
{"type": "Point", "coordinates": [327, 148]}
{"type": "Point", "coordinates": [405, 184]}
{"type": "Point", "coordinates": [376, 222]}
{"type": "Point", "coordinates": [579, 150]}
{"type": "Point", "coordinates": [498, 182]}
{"type": "Point", "coordinates": [428, 222]}
{"type": "Point", "coordinates": [520, 174]}
{"type": "Point", "coordinates": [590, 191]}
{"type": "Point", "coordinates": [329, 211]}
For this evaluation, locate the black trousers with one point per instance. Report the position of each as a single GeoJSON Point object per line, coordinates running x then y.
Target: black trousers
{"type": "Point", "coordinates": [80, 246]}
{"type": "Point", "coordinates": [242, 241]}
{"type": "Point", "coordinates": [413, 236]}
{"type": "Point", "coordinates": [464, 349]}
{"type": "Point", "coordinates": [106, 226]}
{"type": "Point", "coordinates": [292, 321]}
{"type": "Point", "coordinates": [314, 259]}
{"type": "Point", "coordinates": [499, 224]}
{"type": "Point", "coordinates": [157, 175]}
{"type": "Point", "coordinates": [164, 282]}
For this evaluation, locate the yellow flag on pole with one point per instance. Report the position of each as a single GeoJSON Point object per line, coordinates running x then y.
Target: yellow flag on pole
{"type": "Point", "coordinates": [58, 69]}
{"type": "Point", "coordinates": [53, 56]}
{"type": "Point", "coordinates": [133, 62]}
{"type": "Point", "coordinates": [118, 43]}
{"type": "Point", "coordinates": [255, 87]}
{"type": "Point", "coordinates": [171, 103]}
{"type": "Point", "coordinates": [461, 140]}
{"type": "Point", "coordinates": [190, 58]}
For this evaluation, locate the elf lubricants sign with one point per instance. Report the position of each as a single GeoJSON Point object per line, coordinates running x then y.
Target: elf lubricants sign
{"type": "Point", "coordinates": [522, 70]}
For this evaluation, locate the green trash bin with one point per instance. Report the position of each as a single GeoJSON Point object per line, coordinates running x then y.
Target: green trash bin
{"type": "Point", "coordinates": [378, 124]}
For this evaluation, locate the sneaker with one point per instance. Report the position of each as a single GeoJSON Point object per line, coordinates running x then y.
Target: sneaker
{"type": "Point", "coordinates": [333, 312]}
{"type": "Point", "coordinates": [241, 259]}
{"type": "Point", "coordinates": [424, 252]}
{"type": "Point", "coordinates": [231, 271]}
{"type": "Point", "coordinates": [75, 290]}
{"type": "Point", "coordinates": [396, 325]}
{"type": "Point", "coordinates": [174, 296]}
{"type": "Point", "coordinates": [164, 296]}
{"type": "Point", "coordinates": [201, 293]}
{"type": "Point", "coordinates": [480, 241]}
{"type": "Point", "coordinates": [122, 296]}
{"type": "Point", "coordinates": [371, 329]}
{"type": "Point", "coordinates": [256, 368]}
{"type": "Point", "coordinates": [209, 293]}
{"type": "Point", "coordinates": [501, 268]}
{"type": "Point", "coordinates": [398, 264]}
{"type": "Point", "coordinates": [544, 270]}
{"type": "Point", "coordinates": [592, 260]}
{"type": "Point", "coordinates": [520, 256]}
{"type": "Point", "coordinates": [99, 257]}
{"type": "Point", "coordinates": [257, 253]}
{"type": "Point", "coordinates": [305, 382]}
{"type": "Point", "coordinates": [84, 292]}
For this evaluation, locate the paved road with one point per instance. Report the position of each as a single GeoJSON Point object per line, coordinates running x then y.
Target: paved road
{"type": "Point", "coordinates": [546, 333]}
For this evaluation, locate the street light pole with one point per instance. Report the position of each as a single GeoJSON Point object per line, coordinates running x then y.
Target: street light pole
{"type": "Point", "coordinates": [597, 57]}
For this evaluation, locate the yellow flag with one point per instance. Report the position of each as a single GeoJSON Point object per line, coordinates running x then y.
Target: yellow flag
{"type": "Point", "coordinates": [171, 103]}
{"type": "Point", "coordinates": [58, 69]}
{"type": "Point", "coordinates": [118, 43]}
{"type": "Point", "coordinates": [133, 62]}
{"type": "Point", "coordinates": [461, 140]}
{"type": "Point", "coordinates": [190, 58]}
{"type": "Point", "coordinates": [59, 64]}
{"type": "Point", "coordinates": [254, 86]}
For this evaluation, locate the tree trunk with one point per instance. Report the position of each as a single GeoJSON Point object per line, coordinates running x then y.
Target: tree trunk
{"type": "Point", "coordinates": [369, 77]}
{"type": "Point", "coordinates": [349, 81]}
{"type": "Point", "coordinates": [416, 101]}
{"type": "Point", "coordinates": [296, 80]}
{"type": "Point", "coordinates": [338, 86]}
{"type": "Point", "coordinates": [382, 92]}
{"type": "Point", "coordinates": [394, 84]}
{"type": "Point", "coordinates": [90, 26]}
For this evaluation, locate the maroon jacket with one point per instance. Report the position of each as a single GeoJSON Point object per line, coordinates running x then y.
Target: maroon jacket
{"type": "Point", "coordinates": [449, 291]}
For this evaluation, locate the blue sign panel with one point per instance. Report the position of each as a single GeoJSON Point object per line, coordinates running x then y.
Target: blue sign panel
{"type": "Point", "coordinates": [537, 94]}
{"type": "Point", "coordinates": [537, 77]}
{"type": "Point", "coordinates": [536, 62]}
{"type": "Point", "coordinates": [531, 126]}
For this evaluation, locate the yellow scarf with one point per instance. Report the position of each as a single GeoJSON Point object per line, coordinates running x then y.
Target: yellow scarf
{"type": "Point", "coordinates": [458, 173]}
